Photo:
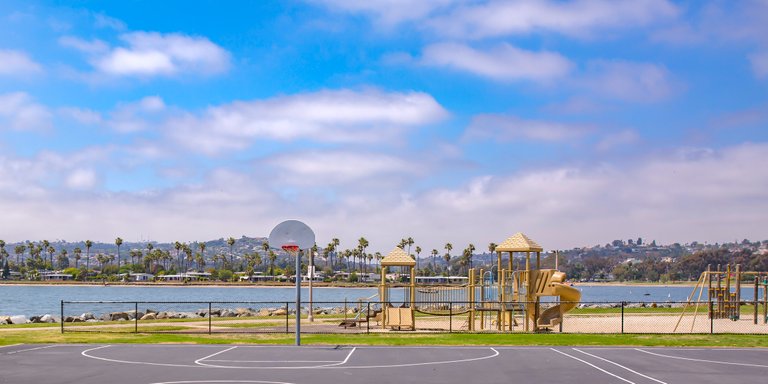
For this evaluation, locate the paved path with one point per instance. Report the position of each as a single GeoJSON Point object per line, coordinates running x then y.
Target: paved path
{"type": "Point", "coordinates": [203, 364]}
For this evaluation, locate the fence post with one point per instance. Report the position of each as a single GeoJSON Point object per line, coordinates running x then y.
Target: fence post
{"type": "Point", "coordinates": [622, 317]}
{"type": "Point", "coordinates": [209, 317]}
{"type": "Point", "coordinates": [711, 319]}
{"type": "Point", "coordinates": [61, 319]}
{"type": "Point", "coordinates": [450, 317]}
{"type": "Point", "coordinates": [286, 317]}
{"type": "Point", "coordinates": [368, 319]}
{"type": "Point", "coordinates": [135, 317]}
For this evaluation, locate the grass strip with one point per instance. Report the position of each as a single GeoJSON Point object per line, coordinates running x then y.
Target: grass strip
{"type": "Point", "coordinates": [722, 340]}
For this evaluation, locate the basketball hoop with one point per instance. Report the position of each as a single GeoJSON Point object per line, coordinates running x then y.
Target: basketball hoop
{"type": "Point", "coordinates": [293, 236]}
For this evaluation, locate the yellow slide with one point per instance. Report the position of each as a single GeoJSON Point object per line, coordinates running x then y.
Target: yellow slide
{"type": "Point", "coordinates": [569, 296]}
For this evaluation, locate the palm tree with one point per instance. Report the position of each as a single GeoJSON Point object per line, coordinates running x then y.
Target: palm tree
{"type": "Point", "coordinates": [363, 244]}
{"type": "Point", "coordinates": [88, 245]}
{"type": "Point", "coordinates": [434, 256]}
{"type": "Point", "coordinates": [202, 247]}
{"type": "Point", "coordinates": [471, 249]}
{"type": "Point", "coordinates": [78, 254]}
{"type": "Point", "coordinates": [51, 251]}
{"type": "Point", "coordinates": [178, 247]}
{"type": "Point", "coordinates": [19, 250]}
{"type": "Point", "coordinates": [448, 248]}
{"type": "Point", "coordinates": [336, 244]}
{"type": "Point", "coordinates": [409, 242]}
{"type": "Point", "coordinates": [102, 260]}
{"type": "Point", "coordinates": [62, 259]}
{"type": "Point", "coordinates": [139, 256]}
{"type": "Point", "coordinates": [231, 243]}
{"type": "Point", "coordinates": [492, 250]}
{"type": "Point", "coordinates": [118, 242]}
{"type": "Point", "coordinates": [272, 258]}
{"type": "Point", "coordinates": [418, 251]}
{"type": "Point", "coordinates": [188, 252]}
{"type": "Point", "coordinates": [200, 261]}
{"type": "Point", "coordinates": [265, 248]}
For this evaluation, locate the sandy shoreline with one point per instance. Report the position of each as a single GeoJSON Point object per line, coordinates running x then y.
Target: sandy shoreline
{"type": "Point", "coordinates": [289, 285]}
{"type": "Point", "coordinates": [179, 285]}
{"type": "Point", "coordinates": [638, 284]}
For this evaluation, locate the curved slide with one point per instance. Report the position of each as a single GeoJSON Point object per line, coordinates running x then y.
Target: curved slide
{"type": "Point", "coordinates": [569, 296]}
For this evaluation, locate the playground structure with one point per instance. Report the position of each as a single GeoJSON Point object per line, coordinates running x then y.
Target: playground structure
{"type": "Point", "coordinates": [722, 302]}
{"type": "Point", "coordinates": [501, 301]}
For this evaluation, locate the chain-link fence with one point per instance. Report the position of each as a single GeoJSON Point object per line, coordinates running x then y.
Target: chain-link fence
{"type": "Point", "coordinates": [208, 317]}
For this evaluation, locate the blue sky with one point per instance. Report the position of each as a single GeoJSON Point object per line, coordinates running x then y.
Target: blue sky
{"type": "Point", "coordinates": [577, 122]}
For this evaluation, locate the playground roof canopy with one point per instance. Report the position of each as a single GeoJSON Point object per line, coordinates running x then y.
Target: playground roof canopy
{"type": "Point", "coordinates": [397, 257]}
{"type": "Point", "coordinates": [518, 243]}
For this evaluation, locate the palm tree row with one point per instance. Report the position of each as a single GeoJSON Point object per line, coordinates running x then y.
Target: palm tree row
{"type": "Point", "coordinates": [192, 256]}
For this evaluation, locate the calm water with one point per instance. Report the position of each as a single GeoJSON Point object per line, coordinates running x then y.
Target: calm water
{"type": "Point", "coordinates": [41, 299]}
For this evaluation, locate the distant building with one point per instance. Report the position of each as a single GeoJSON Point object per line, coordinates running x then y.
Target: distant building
{"type": "Point", "coordinates": [55, 276]}
{"type": "Point", "coordinates": [136, 276]}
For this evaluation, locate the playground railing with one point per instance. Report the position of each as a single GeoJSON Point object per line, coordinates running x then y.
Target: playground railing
{"type": "Point", "coordinates": [257, 317]}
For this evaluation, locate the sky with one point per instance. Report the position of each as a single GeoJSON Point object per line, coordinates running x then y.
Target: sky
{"type": "Point", "coordinates": [575, 122]}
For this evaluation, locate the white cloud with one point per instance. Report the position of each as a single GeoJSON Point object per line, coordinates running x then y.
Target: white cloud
{"type": "Point", "coordinates": [81, 179]}
{"type": "Point", "coordinates": [94, 46]}
{"type": "Point", "coordinates": [682, 195]}
{"type": "Point", "coordinates": [104, 21]}
{"type": "Point", "coordinates": [14, 63]}
{"type": "Point", "coordinates": [574, 18]}
{"type": "Point", "coordinates": [759, 61]}
{"type": "Point", "coordinates": [317, 168]}
{"type": "Point", "coordinates": [388, 12]}
{"type": "Point", "coordinates": [147, 54]}
{"type": "Point", "coordinates": [137, 116]}
{"type": "Point", "coordinates": [82, 115]}
{"type": "Point", "coordinates": [505, 128]}
{"type": "Point", "coordinates": [631, 81]}
{"type": "Point", "coordinates": [618, 139]}
{"type": "Point", "coordinates": [19, 111]}
{"type": "Point", "coordinates": [342, 116]}
{"type": "Point", "coordinates": [503, 62]}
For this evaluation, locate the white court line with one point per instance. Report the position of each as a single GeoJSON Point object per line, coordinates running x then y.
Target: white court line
{"type": "Point", "coordinates": [86, 353]}
{"type": "Point", "coordinates": [10, 345]}
{"type": "Point", "coordinates": [223, 381]}
{"type": "Point", "coordinates": [682, 349]}
{"type": "Point", "coordinates": [593, 366]}
{"type": "Point", "coordinates": [336, 363]}
{"type": "Point", "coordinates": [32, 349]}
{"type": "Point", "coordinates": [198, 361]}
{"type": "Point", "coordinates": [702, 360]}
{"type": "Point", "coordinates": [272, 361]}
{"type": "Point", "coordinates": [343, 362]}
{"type": "Point", "coordinates": [621, 366]}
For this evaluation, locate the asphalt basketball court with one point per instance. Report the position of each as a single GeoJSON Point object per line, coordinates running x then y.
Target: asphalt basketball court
{"type": "Point", "coordinates": [203, 364]}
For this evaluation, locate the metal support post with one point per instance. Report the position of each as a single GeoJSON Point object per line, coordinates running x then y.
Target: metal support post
{"type": "Point", "coordinates": [286, 317]}
{"type": "Point", "coordinates": [298, 298]}
{"type": "Point", "coordinates": [61, 319]}
{"type": "Point", "coordinates": [209, 317]}
{"type": "Point", "coordinates": [136, 317]}
{"type": "Point", "coordinates": [622, 317]}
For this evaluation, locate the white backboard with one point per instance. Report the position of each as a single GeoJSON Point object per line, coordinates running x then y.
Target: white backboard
{"type": "Point", "coordinates": [292, 232]}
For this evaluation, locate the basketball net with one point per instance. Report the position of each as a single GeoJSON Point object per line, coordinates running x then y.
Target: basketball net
{"type": "Point", "coordinates": [292, 249]}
